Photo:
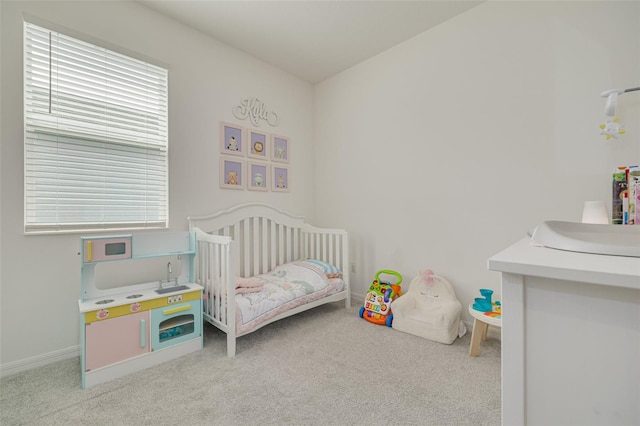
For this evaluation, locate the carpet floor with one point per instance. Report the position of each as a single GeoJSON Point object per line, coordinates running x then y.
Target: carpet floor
{"type": "Point", "coordinates": [325, 366]}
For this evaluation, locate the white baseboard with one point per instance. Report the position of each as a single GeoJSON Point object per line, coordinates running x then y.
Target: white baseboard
{"type": "Point", "coordinates": [357, 299]}
{"type": "Point", "coordinates": [30, 363]}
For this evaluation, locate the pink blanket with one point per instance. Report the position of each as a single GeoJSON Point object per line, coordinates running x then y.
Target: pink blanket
{"type": "Point", "coordinates": [248, 285]}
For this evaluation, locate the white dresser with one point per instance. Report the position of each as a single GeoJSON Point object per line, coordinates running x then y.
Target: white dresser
{"type": "Point", "coordinates": [570, 337]}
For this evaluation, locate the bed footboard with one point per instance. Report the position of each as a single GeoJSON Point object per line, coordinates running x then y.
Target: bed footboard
{"type": "Point", "coordinates": [214, 272]}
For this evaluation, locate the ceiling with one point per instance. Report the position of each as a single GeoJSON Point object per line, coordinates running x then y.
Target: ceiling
{"type": "Point", "coordinates": [313, 40]}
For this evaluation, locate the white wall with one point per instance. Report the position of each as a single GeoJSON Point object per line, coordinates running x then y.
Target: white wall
{"type": "Point", "coordinates": [442, 151]}
{"type": "Point", "coordinates": [437, 153]}
{"type": "Point", "coordinates": [40, 274]}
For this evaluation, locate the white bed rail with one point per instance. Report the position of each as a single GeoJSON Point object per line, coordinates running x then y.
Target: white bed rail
{"type": "Point", "coordinates": [214, 272]}
{"type": "Point", "coordinates": [266, 237]}
{"type": "Point", "coordinates": [328, 245]}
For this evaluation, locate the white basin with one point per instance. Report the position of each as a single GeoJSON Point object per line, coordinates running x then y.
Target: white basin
{"type": "Point", "coordinates": [615, 240]}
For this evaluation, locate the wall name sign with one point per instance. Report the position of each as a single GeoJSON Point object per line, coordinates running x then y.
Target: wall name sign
{"type": "Point", "coordinates": [255, 110]}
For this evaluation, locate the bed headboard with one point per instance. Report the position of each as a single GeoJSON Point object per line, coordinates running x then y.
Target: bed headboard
{"type": "Point", "coordinates": [265, 237]}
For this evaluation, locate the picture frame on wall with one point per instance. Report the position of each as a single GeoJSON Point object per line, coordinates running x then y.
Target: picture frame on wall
{"type": "Point", "coordinates": [258, 145]}
{"type": "Point", "coordinates": [279, 178]}
{"type": "Point", "coordinates": [232, 139]}
{"type": "Point", "coordinates": [231, 173]}
{"type": "Point", "coordinates": [258, 179]}
{"type": "Point", "coordinates": [280, 149]}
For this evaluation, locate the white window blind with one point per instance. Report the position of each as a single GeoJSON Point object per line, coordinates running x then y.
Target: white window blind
{"type": "Point", "coordinates": [95, 137]}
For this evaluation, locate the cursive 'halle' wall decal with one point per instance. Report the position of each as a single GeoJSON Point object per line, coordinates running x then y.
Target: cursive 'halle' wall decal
{"type": "Point", "coordinates": [255, 110]}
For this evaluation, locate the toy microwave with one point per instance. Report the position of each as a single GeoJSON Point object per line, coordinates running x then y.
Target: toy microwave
{"type": "Point", "coordinates": [97, 249]}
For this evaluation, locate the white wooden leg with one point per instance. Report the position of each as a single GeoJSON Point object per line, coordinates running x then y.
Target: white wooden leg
{"type": "Point", "coordinates": [231, 345]}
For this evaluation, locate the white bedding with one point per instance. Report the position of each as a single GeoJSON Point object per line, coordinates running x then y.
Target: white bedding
{"type": "Point", "coordinates": [286, 287]}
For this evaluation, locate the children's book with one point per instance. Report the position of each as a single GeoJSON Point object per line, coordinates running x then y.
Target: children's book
{"type": "Point", "coordinates": [634, 195]}
{"type": "Point", "coordinates": [619, 192]}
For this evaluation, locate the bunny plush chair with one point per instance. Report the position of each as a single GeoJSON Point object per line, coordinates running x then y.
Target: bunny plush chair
{"type": "Point", "coordinates": [429, 309]}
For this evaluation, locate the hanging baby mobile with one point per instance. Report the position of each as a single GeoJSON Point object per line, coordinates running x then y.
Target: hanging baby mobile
{"type": "Point", "coordinates": [612, 127]}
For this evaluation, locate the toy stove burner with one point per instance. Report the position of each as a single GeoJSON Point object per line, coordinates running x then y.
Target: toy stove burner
{"type": "Point", "coordinates": [134, 296]}
{"type": "Point", "coordinates": [104, 302]}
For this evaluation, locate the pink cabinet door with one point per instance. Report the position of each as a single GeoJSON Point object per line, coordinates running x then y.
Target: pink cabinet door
{"type": "Point", "coordinates": [116, 339]}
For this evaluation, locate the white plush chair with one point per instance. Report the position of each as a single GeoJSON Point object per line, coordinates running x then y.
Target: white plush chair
{"type": "Point", "coordinates": [429, 309]}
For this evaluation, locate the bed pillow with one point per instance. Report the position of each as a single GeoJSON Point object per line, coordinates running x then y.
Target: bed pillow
{"type": "Point", "coordinates": [329, 270]}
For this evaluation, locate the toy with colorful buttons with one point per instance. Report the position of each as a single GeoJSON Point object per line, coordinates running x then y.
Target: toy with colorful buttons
{"type": "Point", "coordinates": [487, 305]}
{"type": "Point", "coordinates": [377, 304]}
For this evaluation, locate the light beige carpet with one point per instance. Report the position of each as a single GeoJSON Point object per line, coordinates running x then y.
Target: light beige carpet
{"type": "Point", "coordinates": [325, 366]}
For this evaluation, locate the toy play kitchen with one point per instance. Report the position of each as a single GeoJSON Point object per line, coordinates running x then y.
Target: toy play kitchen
{"type": "Point", "coordinates": [128, 327]}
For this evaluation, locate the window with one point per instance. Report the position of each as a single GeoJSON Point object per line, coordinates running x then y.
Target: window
{"type": "Point", "coordinates": [95, 151]}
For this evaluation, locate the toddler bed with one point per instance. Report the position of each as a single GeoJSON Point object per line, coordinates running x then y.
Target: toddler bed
{"type": "Point", "coordinates": [258, 265]}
